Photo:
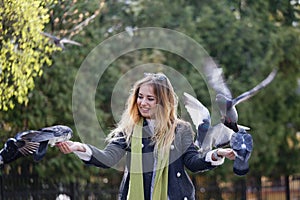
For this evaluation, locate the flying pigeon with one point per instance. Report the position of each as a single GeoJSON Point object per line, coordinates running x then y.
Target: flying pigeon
{"type": "Point", "coordinates": [219, 135]}
{"type": "Point", "coordinates": [61, 41]}
{"type": "Point", "coordinates": [207, 136]}
{"type": "Point", "coordinates": [33, 142]}
{"type": "Point", "coordinates": [224, 99]}
{"type": "Point", "coordinates": [242, 143]}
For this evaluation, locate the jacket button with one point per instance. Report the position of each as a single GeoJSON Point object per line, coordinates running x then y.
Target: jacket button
{"type": "Point", "coordinates": [178, 174]}
{"type": "Point", "coordinates": [172, 147]}
{"type": "Point", "coordinates": [185, 198]}
{"type": "Point", "coordinates": [142, 145]}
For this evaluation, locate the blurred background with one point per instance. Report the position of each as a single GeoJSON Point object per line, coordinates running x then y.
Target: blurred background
{"type": "Point", "coordinates": [247, 38]}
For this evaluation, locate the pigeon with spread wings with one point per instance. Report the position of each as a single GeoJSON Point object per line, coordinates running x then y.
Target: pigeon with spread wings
{"type": "Point", "coordinates": [219, 135]}
{"type": "Point", "coordinates": [33, 142]}
{"type": "Point", "coordinates": [225, 101]}
{"type": "Point", "coordinates": [207, 136]}
{"type": "Point", "coordinates": [60, 41]}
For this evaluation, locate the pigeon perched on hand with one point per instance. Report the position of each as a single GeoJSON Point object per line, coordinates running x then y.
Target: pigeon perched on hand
{"type": "Point", "coordinates": [224, 98]}
{"type": "Point", "coordinates": [61, 41]}
{"type": "Point", "coordinates": [242, 144]}
{"type": "Point", "coordinates": [207, 136]}
{"type": "Point", "coordinates": [33, 142]}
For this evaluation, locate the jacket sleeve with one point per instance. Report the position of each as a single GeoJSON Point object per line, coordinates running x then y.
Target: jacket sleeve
{"type": "Point", "coordinates": [110, 155]}
{"type": "Point", "coordinates": [192, 158]}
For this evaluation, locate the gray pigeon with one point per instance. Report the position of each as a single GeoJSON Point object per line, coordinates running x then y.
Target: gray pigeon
{"type": "Point", "coordinates": [60, 41]}
{"type": "Point", "coordinates": [224, 98]}
{"type": "Point", "coordinates": [33, 142]}
{"type": "Point", "coordinates": [207, 136]}
{"type": "Point", "coordinates": [242, 144]}
{"type": "Point", "coordinates": [219, 135]}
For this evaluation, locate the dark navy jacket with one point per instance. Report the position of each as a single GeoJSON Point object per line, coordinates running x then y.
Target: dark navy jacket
{"type": "Point", "coordinates": [183, 154]}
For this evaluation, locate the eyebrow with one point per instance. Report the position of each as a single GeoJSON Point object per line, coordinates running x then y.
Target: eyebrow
{"type": "Point", "coordinates": [147, 95]}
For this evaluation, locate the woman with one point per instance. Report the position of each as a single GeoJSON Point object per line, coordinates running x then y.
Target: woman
{"type": "Point", "coordinates": [158, 146]}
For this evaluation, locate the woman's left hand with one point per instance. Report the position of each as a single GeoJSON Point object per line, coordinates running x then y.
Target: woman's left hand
{"type": "Point", "coordinates": [227, 152]}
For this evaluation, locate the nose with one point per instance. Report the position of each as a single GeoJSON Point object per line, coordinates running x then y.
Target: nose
{"type": "Point", "coordinates": [144, 101]}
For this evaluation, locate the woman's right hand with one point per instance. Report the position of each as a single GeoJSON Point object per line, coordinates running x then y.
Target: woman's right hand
{"type": "Point", "coordinates": [70, 146]}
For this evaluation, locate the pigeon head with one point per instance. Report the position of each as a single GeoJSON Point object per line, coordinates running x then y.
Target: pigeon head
{"type": "Point", "coordinates": [230, 124]}
{"type": "Point", "coordinates": [204, 126]}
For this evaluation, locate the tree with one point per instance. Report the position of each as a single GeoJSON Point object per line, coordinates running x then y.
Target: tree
{"type": "Point", "coordinates": [50, 101]}
{"type": "Point", "coordinates": [24, 51]}
{"type": "Point", "coordinates": [247, 38]}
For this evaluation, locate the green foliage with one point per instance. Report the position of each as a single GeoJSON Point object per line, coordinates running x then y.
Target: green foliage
{"type": "Point", "coordinates": [24, 51]}
{"type": "Point", "coordinates": [247, 38]}
{"type": "Point", "coordinates": [50, 102]}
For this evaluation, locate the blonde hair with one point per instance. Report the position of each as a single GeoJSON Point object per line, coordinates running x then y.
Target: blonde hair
{"type": "Point", "coordinates": [165, 115]}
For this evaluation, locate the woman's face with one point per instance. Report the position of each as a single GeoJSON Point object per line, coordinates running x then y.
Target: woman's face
{"type": "Point", "coordinates": [146, 100]}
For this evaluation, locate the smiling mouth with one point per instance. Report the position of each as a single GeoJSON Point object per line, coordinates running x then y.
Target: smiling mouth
{"type": "Point", "coordinates": [144, 109]}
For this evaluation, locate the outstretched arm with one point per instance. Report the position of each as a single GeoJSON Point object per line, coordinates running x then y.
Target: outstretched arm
{"type": "Point", "coordinates": [91, 155]}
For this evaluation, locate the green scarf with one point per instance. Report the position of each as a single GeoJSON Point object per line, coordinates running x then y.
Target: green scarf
{"type": "Point", "coordinates": [136, 185]}
{"type": "Point", "coordinates": [160, 190]}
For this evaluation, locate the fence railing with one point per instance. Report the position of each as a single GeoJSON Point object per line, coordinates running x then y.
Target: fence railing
{"type": "Point", "coordinates": [31, 188]}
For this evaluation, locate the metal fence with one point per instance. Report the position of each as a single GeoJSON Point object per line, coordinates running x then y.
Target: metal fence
{"type": "Point", "coordinates": [18, 187]}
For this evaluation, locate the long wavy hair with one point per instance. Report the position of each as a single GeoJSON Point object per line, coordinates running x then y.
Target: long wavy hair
{"type": "Point", "coordinates": [165, 115]}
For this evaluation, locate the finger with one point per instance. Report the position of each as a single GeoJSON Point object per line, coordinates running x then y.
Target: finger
{"type": "Point", "coordinates": [63, 147]}
{"type": "Point", "coordinates": [69, 142]}
{"type": "Point", "coordinates": [224, 152]}
{"type": "Point", "coordinates": [231, 156]}
{"type": "Point", "coordinates": [58, 144]}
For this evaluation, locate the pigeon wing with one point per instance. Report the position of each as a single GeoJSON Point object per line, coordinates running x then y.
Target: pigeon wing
{"type": "Point", "coordinates": [207, 143]}
{"type": "Point", "coordinates": [26, 146]}
{"type": "Point", "coordinates": [29, 148]}
{"type": "Point", "coordinates": [197, 111]}
{"type": "Point", "coordinates": [65, 40]}
{"type": "Point", "coordinates": [217, 136]}
{"type": "Point", "coordinates": [215, 78]}
{"type": "Point", "coordinates": [41, 151]}
{"type": "Point", "coordinates": [246, 95]}
{"type": "Point", "coordinates": [221, 135]}
{"type": "Point", "coordinates": [49, 36]}
{"type": "Point", "coordinates": [43, 136]}
{"type": "Point", "coordinates": [26, 135]}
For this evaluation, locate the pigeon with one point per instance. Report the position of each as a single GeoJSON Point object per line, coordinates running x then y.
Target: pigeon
{"type": "Point", "coordinates": [242, 144]}
{"type": "Point", "coordinates": [219, 135]}
{"type": "Point", "coordinates": [61, 41]}
{"type": "Point", "coordinates": [225, 101]}
{"type": "Point", "coordinates": [208, 136]}
{"type": "Point", "coordinates": [33, 142]}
